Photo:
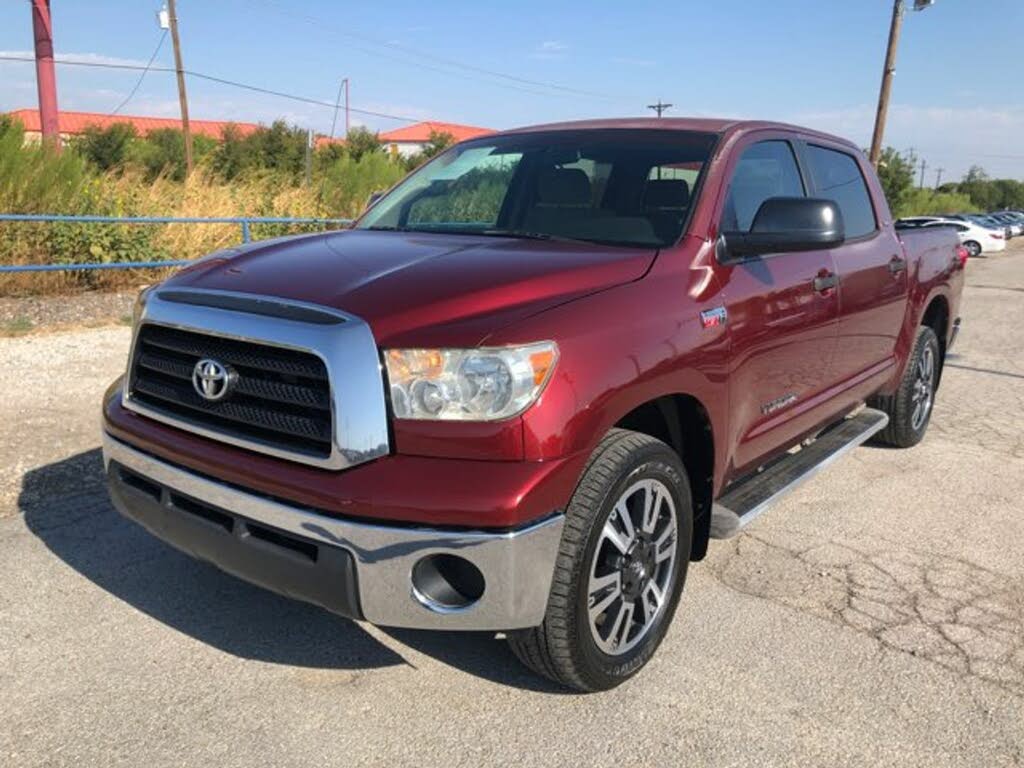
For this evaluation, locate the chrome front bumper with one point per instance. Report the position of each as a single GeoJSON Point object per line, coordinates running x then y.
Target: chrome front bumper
{"type": "Point", "coordinates": [517, 566]}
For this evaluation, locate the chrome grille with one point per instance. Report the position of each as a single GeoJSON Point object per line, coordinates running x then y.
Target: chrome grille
{"type": "Point", "coordinates": [282, 397]}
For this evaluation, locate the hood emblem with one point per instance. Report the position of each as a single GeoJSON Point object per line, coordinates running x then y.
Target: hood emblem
{"type": "Point", "coordinates": [213, 380]}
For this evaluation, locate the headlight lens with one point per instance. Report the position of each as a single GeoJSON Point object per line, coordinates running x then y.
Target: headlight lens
{"type": "Point", "coordinates": [483, 384]}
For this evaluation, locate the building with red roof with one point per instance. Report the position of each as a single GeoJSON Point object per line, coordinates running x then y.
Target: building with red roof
{"type": "Point", "coordinates": [410, 139]}
{"type": "Point", "coordinates": [75, 123]}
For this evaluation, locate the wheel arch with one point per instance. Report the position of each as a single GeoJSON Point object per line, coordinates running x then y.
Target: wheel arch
{"type": "Point", "coordinates": [936, 317]}
{"type": "Point", "coordinates": [682, 421]}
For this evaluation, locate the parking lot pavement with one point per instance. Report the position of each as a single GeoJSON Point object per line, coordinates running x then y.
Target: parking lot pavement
{"type": "Point", "coordinates": [875, 617]}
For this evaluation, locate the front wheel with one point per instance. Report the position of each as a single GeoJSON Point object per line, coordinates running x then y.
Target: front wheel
{"type": "Point", "coordinates": [620, 569]}
{"type": "Point", "coordinates": [973, 248]}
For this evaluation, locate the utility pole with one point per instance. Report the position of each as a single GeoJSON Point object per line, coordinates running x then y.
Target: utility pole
{"type": "Point", "coordinates": [887, 71]}
{"type": "Point", "coordinates": [182, 96]}
{"type": "Point", "coordinates": [659, 107]}
{"type": "Point", "coordinates": [309, 156]}
{"type": "Point", "coordinates": [46, 78]}
{"type": "Point", "coordinates": [924, 165]}
{"type": "Point", "coordinates": [346, 110]}
{"type": "Point", "coordinates": [938, 176]}
{"type": "Point", "coordinates": [890, 67]}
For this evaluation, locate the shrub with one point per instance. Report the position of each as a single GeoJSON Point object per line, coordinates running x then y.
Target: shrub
{"type": "Point", "coordinates": [347, 184]}
{"type": "Point", "coordinates": [106, 148]}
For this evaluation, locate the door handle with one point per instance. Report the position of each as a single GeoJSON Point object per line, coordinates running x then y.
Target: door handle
{"type": "Point", "coordinates": [897, 265]}
{"type": "Point", "coordinates": [825, 281]}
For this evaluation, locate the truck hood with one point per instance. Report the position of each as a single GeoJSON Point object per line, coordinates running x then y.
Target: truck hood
{"type": "Point", "coordinates": [418, 289]}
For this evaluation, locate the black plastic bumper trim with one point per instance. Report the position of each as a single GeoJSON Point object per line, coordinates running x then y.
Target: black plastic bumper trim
{"type": "Point", "coordinates": [277, 560]}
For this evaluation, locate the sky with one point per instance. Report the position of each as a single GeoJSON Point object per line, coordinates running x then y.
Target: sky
{"type": "Point", "coordinates": [957, 101]}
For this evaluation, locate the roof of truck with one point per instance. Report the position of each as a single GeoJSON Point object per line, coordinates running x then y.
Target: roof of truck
{"type": "Point", "coordinates": [704, 124]}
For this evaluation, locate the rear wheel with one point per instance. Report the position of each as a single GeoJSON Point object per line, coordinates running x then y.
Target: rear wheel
{"type": "Point", "coordinates": [973, 248]}
{"type": "Point", "coordinates": [620, 568]}
{"type": "Point", "coordinates": [910, 408]}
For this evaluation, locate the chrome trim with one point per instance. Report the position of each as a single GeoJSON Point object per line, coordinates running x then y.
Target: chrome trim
{"type": "Point", "coordinates": [518, 565]}
{"type": "Point", "coordinates": [726, 523]}
{"type": "Point", "coordinates": [347, 349]}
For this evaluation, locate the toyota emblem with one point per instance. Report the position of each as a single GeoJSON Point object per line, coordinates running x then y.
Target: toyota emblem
{"type": "Point", "coordinates": [213, 380]}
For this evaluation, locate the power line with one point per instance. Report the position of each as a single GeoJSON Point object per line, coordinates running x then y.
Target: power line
{"type": "Point", "coordinates": [143, 75]}
{"type": "Point", "coordinates": [409, 51]}
{"type": "Point", "coordinates": [222, 81]}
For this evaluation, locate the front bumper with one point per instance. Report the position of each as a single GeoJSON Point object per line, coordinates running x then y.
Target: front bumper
{"type": "Point", "coordinates": [355, 569]}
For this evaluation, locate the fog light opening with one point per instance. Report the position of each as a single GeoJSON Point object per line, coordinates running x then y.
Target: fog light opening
{"type": "Point", "coordinates": [446, 583]}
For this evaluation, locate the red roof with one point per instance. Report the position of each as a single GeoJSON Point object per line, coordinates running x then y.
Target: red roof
{"type": "Point", "coordinates": [420, 132]}
{"type": "Point", "coordinates": [73, 123]}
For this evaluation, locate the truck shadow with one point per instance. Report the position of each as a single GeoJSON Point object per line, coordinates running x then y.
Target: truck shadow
{"type": "Point", "coordinates": [65, 505]}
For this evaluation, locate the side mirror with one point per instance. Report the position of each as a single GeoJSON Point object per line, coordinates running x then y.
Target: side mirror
{"type": "Point", "coordinates": [788, 224]}
{"type": "Point", "coordinates": [373, 198]}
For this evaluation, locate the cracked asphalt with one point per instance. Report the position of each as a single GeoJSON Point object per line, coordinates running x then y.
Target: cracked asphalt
{"type": "Point", "coordinates": [874, 617]}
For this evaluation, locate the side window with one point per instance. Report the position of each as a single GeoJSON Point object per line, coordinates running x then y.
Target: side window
{"type": "Point", "coordinates": [837, 177]}
{"type": "Point", "coordinates": [767, 169]}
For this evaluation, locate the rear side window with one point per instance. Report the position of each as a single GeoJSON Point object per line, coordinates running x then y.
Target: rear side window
{"type": "Point", "coordinates": [837, 177]}
{"type": "Point", "coordinates": [767, 169]}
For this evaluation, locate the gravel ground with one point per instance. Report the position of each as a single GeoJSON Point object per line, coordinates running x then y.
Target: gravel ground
{"type": "Point", "coordinates": [874, 617]}
{"type": "Point", "coordinates": [22, 315]}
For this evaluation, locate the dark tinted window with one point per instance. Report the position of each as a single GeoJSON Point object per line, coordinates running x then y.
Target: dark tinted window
{"type": "Point", "coordinates": [837, 177]}
{"type": "Point", "coordinates": [767, 169]}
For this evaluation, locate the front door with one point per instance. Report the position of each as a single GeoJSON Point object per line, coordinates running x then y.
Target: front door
{"type": "Point", "coordinates": [782, 318]}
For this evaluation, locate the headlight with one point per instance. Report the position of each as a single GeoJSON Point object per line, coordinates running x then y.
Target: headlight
{"type": "Point", "coordinates": [483, 384]}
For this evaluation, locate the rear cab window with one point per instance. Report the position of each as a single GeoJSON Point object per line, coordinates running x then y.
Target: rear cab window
{"type": "Point", "coordinates": [837, 176]}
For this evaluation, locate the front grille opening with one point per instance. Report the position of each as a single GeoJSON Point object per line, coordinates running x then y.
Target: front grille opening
{"type": "Point", "coordinates": [306, 549]}
{"type": "Point", "coordinates": [140, 483]}
{"type": "Point", "coordinates": [281, 399]}
{"type": "Point", "coordinates": [203, 511]}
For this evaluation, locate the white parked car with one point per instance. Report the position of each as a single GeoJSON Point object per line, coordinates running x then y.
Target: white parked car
{"type": "Point", "coordinates": [976, 238]}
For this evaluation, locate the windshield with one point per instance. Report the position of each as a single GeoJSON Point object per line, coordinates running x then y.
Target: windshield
{"type": "Point", "coordinates": [617, 186]}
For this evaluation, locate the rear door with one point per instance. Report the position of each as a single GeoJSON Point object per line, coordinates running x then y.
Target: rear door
{"type": "Point", "coordinates": [872, 268]}
{"type": "Point", "coordinates": [782, 328]}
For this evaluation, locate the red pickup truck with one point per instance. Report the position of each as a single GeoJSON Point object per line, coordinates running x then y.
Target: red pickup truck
{"type": "Point", "coordinates": [534, 379]}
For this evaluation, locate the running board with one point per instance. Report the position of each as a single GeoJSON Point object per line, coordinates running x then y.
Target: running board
{"type": "Point", "coordinates": [745, 502]}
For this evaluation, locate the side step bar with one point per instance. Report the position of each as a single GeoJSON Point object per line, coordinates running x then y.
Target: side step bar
{"type": "Point", "coordinates": [745, 502]}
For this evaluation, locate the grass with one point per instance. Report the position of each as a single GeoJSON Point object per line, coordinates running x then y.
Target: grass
{"type": "Point", "coordinates": [19, 326]}
{"type": "Point", "coordinates": [36, 180]}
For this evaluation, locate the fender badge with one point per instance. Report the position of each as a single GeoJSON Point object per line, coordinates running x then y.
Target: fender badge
{"type": "Point", "coordinates": [712, 318]}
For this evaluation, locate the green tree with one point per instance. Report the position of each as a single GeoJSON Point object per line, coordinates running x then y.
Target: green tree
{"type": "Point", "coordinates": [977, 186]}
{"type": "Point", "coordinates": [896, 174]}
{"type": "Point", "coordinates": [361, 141]}
{"type": "Point", "coordinates": [436, 144]}
{"type": "Point", "coordinates": [163, 152]}
{"type": "Point", "coordinates": [106, 148]}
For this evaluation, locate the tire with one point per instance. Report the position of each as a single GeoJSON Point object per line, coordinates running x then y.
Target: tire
{"type": "Point", "coordinates": [624, 471]}
{"type": "Point", "coordinates": [907, 424]}
{"type": "Point", "coordinates": [973, 248]}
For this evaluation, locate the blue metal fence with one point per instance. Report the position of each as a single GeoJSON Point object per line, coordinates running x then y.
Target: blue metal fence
{"type": "Point", "coordinates": [245, 222]}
